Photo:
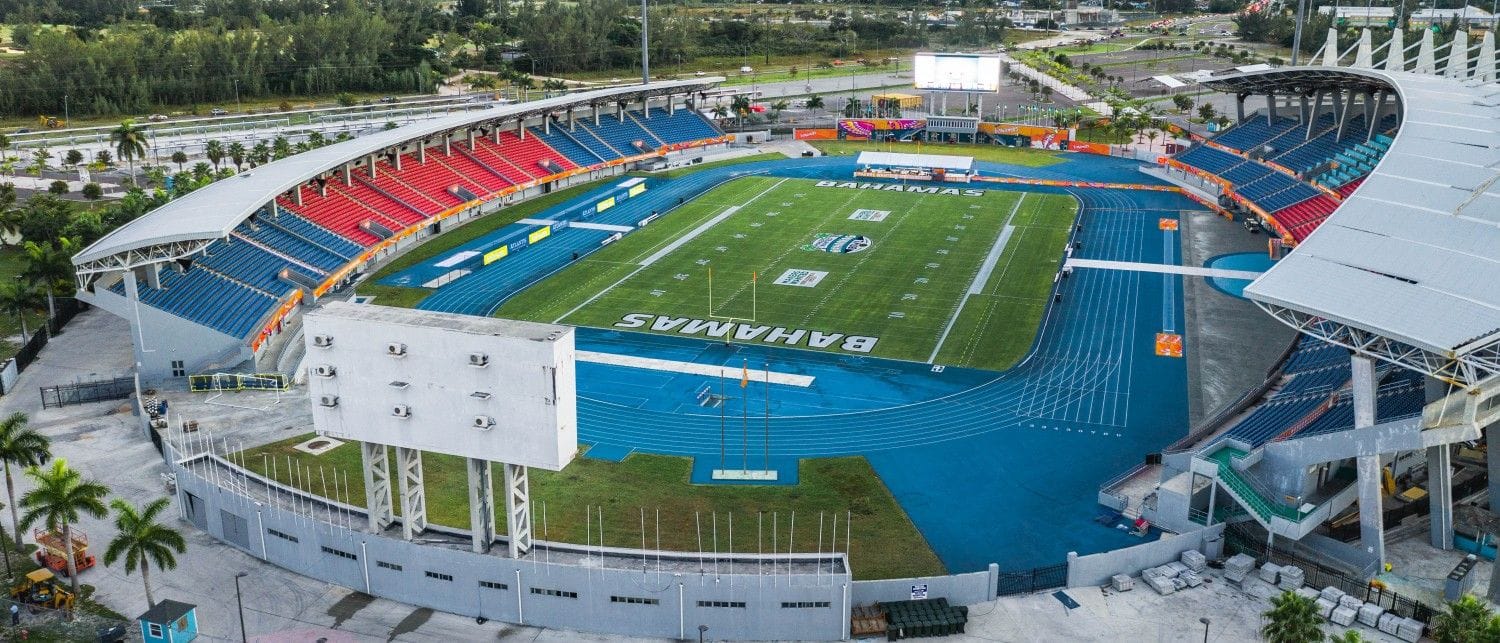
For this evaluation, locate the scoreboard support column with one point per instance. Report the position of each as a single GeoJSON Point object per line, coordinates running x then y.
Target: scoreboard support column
{"type": "Point", "coordinates": [377, 472]}
{"type": "Point", "coordinates": [413, 492]}
{"type": "Point", "coordinates": [481, 503]}
{"type": "Point", "coordinates": [518, 509]}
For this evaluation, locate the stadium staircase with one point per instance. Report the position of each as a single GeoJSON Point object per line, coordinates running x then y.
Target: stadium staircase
{"type": "Point", "coordinates": [594, 141]}
{"type": "Point", "coordinates": [559, 139]}
{"type": "Point", "coordinates": [387, 179]}
{"type": "Point", "coordinates": [1266, 507]}
{"type": "Point", "coordinates": [635, 121]}
{"type": "Point", "coordinates": [484, 168]}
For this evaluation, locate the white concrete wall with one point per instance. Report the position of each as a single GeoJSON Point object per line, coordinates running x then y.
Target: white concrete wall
{"type": "Point", "coordinates": [1094, 570]}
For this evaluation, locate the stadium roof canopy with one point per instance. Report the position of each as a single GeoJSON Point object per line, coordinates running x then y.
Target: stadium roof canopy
{"type": "Point", "coordinates": [897, 159]}
{"type": "Point", "coordinates": [183, 226]}
{"type": "Point", "coordinates": [1408, 267]}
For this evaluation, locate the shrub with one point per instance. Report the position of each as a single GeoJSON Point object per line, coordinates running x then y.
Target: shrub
{"type": "Point", "coordinates": [58, 187]}
{"type": "Point", "coordinates": [92, 191]}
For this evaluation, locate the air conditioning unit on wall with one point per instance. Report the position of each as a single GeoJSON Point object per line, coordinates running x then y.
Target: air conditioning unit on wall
{"type": "Point", "coordinates": [322, 341]}
{"type": "Point", "coordinates": [328, 400]}
{"type": "Point", "coordinates": [401, 411]}
{"type": "Point", "coordinates": [324, 370]}
{"type": "Point", "coordinates": [484, 422]}
{"type": "Point", "coordinates": [479, 360]}
{"type": "Point", "coordinates": [395, 349]}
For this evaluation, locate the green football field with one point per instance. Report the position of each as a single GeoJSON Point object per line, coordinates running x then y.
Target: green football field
{"type": "Point", "coordinates": [949, 275]}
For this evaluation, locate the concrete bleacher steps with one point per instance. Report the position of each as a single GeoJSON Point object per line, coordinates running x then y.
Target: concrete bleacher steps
{"type": "Point", "coordinates": [488, 169]}
{"type": "Point", "coordinates": [574, 148]}
{"type": "Point", "coordinates": [590, 138]}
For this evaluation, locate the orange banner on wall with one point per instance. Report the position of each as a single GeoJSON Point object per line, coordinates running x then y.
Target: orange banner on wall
{"type": "Point", "coordinates": [1091, 148]}
{"type": "Point", "coordinates": [816, 134]}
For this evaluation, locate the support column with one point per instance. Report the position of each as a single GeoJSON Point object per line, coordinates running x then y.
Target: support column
{"type": "Point", "coordinates": [520, 130]}
{"type": "Point", "coordinates": [447, 145]}
{"type": "Point", "coordinates": [481, 504]}
{"type": "Point", "coordinates": [1349, 103]}
{"type": "Point", "coordinates": [518, 509]}
{"type": "Point", "coordinates": [297, 195]}
{"type": "Point", "coordinates": [572, 118]}
{"type": "Point", "coordinates": [1458, 55]}
{"type": "Point", "coordinates": [1492, 462]}
{"type": "Point", "coordinates": [413, 492]}
{"type": "Point", "coordinates": [1306, 110]}
{"type": "Point", "coordinates": [1371, 498]}
{"type": "Point", "coordinates": [1395, 51]}
{"type": "Point", "coordinates": [421, 154]}
{"type": "Point", "coordinates": [1213, 497]}
{"type": "Point", "coordinates": [371, 164]}
{"type": "Point", "coordinates": [595, 108]}
{"type": "Point", "coordinates": [377, 485]}
{"type": "Point", "coordinates": [1239, 108]}
{"type": "Point", "coordinates": [348, 180]}
{"type": "Point", "coordinates": [1270, 108]}
{"type": "Point", "coordinates": [1440, 495]}
{"type": "Point", "coordinates": [471, 140]}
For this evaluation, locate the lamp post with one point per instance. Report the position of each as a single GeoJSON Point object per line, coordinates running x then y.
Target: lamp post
{"type": "Point", "coordinates": [239, 604]}
{"type": "Point", "coordinates": [65, 110]}
{"type": "Point", "coordinates": [702, 629]}
{"type": "Point", "coordinates": [1205, 621]}
{"type": "Point", "coordinates": [237, 106]}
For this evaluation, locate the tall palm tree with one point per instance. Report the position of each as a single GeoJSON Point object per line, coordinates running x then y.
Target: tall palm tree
{"type": "Point", "coordinates": [130, 143]}
{"type": "Point", "coordinates": [214, 150]}
{"type": "Point", "coordinates": [51, 266]}
{"type": "Point", "coordinates": [21, 446]}
{"type": "Point", "coordinates": [19, 297]}
{"type": "Point", "coordinates": [237, 154]}
{"type": "Point", "coordinates": [1292, 619]}
{"type": "Point", "coordinates": [142, 540]}
{"type": "Point", "coordinates": [60, 497]}
{"type": "Point", "coordinates": [740, 105]}
{"type": "Point", "coordinates": [814, 103]}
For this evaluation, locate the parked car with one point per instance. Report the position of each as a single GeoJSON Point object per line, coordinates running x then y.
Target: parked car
{"type": "Point", "coordinates": [218, 111]}
{"type": "Point", "coordinates": [388, 99]}
{"type": "Point", "coordinates": [156, 118]}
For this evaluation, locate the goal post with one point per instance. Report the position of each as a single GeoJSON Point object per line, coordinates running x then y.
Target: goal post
{"type": "Point", "coordinates": [754, 299]}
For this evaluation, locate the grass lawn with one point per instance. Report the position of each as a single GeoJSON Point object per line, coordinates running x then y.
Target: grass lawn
{"type": "Point", "coordinates": [885, 544]}
{"type": "Point", "coordinates": [992, 153]}
{"type": "Point", "coordinates": [926, 251]}
{"type": "Point", "coordinates": [1015, 295]}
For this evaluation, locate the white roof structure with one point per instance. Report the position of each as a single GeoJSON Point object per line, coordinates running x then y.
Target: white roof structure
{"type": "Point", "coordinates": [1408, 267]}
{"type": "Point", "coordinates": [897, 159]}
{"type": "Point", "coordinates": [184, 225]}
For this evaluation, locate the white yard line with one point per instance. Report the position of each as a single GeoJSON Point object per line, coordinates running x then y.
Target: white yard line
{"type": "Point", "coordinates": [690, 368]}
{"type": "Point", "coordinates": [704, 227]}
{"type": "Point", "coordinates": [980, 278]}
{"type": "Point", "coordinates": [1162, 268]}
{"type": "Point", "coordinates": [537, 221]}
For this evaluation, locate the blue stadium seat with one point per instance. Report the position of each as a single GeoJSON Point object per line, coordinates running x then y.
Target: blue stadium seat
{"type": "Point", "coordinates": [570, 147]}
{"type": "Point", "coordinates": [1254, 132]}
{"type": "Point", "coordinates": [684, 126]}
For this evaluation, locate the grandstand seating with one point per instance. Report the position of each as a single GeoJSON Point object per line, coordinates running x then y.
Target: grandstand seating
{"type": "Point", "coordinates": [683, 126]}
{"type": "Point", "coordinates": [1400, 396]}
{"type": "Point", "coordinates": [1210, 159]}
{"type": "Point", "coordinates": [1301, 218]}
{"type": "Point", "coordinates": [586, 135]}
{"type": "Point", "coordinates": [1254, 132]}
{"type": "Point", "coordinates": [237, 280]}
{"type": "Point", "coordinates": [570, 147]}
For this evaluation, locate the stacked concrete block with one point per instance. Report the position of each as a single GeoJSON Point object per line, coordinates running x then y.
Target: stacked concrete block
{"type": "Point", "coordinates": [1291, 578]}
{"type": "Point", "coordinates": [1351, 602]}
{"type": "Point", "coordinates": [1389, 623]}
{"type": "Point", "coordinates": [1194, 560]}
{"type": "Point", "coordinates": [1370, 613]}
{"type": "Point", "coordinates": [1270, 572]}
{"type": "Point", "coordinates": [1324, 607]}
{"type": "Point", "coordinates": [1174, 568]}
{"type": "Point", "coordinates": [1122, 582]}
{"type": "Point", "coordinates": [1331, 594]}
{"type": "Point", "coordinates": [1409, 630]}
{"type": "Point", "coordinates": [1307, 593]}
{"type": "Point", "coordinates": [1161, 584]}
{"type": "Point", "coordinates": [1190, 578]}
{"type": "Point", "coordinates": [1343, 616]}
{"type": "Point", "coordinates": [1238, 567]}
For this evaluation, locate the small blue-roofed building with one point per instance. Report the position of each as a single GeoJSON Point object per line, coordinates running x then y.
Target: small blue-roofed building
{"type": "Point", "coordinates": [169, 622]}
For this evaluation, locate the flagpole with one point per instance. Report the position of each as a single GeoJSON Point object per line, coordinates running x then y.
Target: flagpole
{"type": "Point", "coordinates": [767, 441]}
{"type": "Point", "coordinates": [745, 419]}
{"type": "Point", "coordinates": [721, 419]}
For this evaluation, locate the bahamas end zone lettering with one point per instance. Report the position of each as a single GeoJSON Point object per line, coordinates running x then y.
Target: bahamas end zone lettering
{"type": "Point", "coordinates": [742, 332]}
{"type": "Point", "coordinates": [896, 187]}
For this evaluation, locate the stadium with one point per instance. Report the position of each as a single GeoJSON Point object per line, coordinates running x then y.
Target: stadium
{"type": "Point", "coordinates": [1011, 363]}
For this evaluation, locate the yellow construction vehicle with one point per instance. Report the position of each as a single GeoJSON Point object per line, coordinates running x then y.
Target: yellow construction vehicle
{"type": "Point", "coordinates": [51, 122]}
{"type": "Point", "coordinates": [41, 588]}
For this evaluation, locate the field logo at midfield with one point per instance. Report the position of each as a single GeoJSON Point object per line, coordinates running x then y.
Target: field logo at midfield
{"type": "Point", "coordinates": [747, 332]}
{"type": "Point", "coordinates": [897, 187]}
{"type": "Point", "coordinates": [800, 277]}
{"type": "Point", "coordinates": [839, 243]}
{"type": "Point", "coordinates": [869, 215]}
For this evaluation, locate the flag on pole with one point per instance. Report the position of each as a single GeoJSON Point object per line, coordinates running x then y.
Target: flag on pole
{"type": "Point", "coordinates": [745, 375]}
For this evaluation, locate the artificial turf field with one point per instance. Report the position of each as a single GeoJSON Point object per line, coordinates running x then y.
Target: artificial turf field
{"type": "Point", "coordinates": [925, 265]}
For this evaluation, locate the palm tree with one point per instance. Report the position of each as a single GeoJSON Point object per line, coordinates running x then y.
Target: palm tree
{"type": "Point", "coordinates": [237, 154]}
{"type": "Point", "coordinates": [214, 150]}
{"type": "Point", "coordinates": [39, 160]}
{"type": "Point", "coordinates": [814, 103]}
{"type": "Point", "coordinates": [1151, 136]}
{"type": "Point", "coordinates": [778, 107]}
{"type": "Point", "coordinates": [130, 143]}
{"type": "Point", "coordinates": [260, 154]}
{"type": "Point", "coordinates": [1468, 620]}
{"type": "Point", "coordinates": [50, 265]}
{"type": "Point", "coordinates": [20, 298]}
{"type": "Point", "coordinates": [60, 497]}
{"type": "Point", "coordinates": [142, 541]}
{"type": "Point", "coordinates": [1292, 619]}
{"type": "Point", "coordinates": [22, 446]}
{"type": "Point", "coordinates": [721, 112]}
{"type": "Point", "coordinates": [179, 157]}
{"type": "Point", "coordinates": [851, 108]}
{"type": "Point", "coordinates": [740, 105]}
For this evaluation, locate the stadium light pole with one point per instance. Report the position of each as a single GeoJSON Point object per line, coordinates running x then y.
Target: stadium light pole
{"type": "Point", "coordinates": [645, 45]}
{"type": "Point", "coordinates": [1297, 33]}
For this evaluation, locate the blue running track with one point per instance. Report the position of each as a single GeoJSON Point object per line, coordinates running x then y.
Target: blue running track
{"type": "Point", "coordinates": [992, 467]}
